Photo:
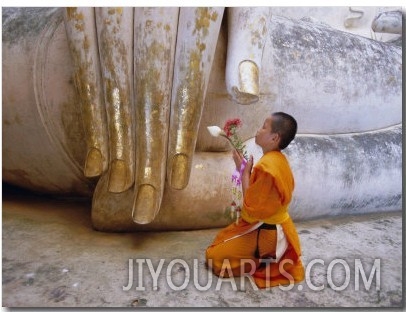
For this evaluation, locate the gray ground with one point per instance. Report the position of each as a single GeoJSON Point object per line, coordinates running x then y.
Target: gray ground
{"type": "Point", "coordinates": [52, 257]}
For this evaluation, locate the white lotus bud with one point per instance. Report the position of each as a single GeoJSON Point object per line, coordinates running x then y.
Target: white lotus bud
{"type": "Point", "coordinates": [216, 131]}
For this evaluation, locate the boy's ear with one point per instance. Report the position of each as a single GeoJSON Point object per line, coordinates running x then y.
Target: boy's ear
{"type": "Point", "coordinates": [278, 138]}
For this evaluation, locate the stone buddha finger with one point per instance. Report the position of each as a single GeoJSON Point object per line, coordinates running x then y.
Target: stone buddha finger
{"type": "Point", "coordinates": [196, 42]}
{"type": "Point", "coordinates": [154, 48]}
{"type": "Point", "coordinates": [81, 34]}
{"type": "Point", "coordinates": [247, 32]}
{"type": "Point", "coordinates": [115, 39]}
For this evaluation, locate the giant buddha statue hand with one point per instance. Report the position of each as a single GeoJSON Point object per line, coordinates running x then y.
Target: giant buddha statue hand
{"type": "Point", "coordinates": [154, 65]}
{"type": "Point", "coordinates": [139, 86]}
{"type": "Point", "coordinates": [155, 134]}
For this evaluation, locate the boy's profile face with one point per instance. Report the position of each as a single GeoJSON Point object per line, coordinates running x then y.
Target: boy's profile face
{"type": "Point", "coordinates": [265, 138]}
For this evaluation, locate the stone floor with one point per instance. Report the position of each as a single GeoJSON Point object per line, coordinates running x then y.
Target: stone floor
{"type": "Point", "coordinates": [53, 258]}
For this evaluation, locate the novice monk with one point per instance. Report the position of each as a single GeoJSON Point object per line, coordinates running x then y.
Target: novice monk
{"type": "Point", "coordinates": [264, 243]}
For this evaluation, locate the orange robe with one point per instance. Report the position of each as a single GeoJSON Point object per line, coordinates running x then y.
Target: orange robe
{"type": "Point", "coordinates": [266, 199]}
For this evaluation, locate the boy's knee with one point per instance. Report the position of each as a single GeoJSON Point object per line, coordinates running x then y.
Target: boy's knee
{"type": "Point", "coordinates": [210, 257]}
{"type": "Point", "coordinates": [214, 261]}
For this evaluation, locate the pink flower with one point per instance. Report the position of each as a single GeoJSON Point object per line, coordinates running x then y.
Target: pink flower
{"type": "Point", "coordinates": [232, 126]}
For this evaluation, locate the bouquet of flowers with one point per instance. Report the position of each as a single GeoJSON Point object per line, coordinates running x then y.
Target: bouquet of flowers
{"type": "Point", "coordinates": [229, 132]}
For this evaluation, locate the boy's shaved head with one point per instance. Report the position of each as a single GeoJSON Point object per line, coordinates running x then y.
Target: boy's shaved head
{"type": "Point", "coordinates": [286, 126]}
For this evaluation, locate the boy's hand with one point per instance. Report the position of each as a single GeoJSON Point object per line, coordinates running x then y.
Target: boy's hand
{"type": "Point", "coordinates": [248, 167]}
{"type": "Point", "coordinates": [238, 159]}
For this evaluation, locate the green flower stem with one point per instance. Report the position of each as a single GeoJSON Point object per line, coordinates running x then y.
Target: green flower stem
{"type": "Point", "coordinates": [237, 148]}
